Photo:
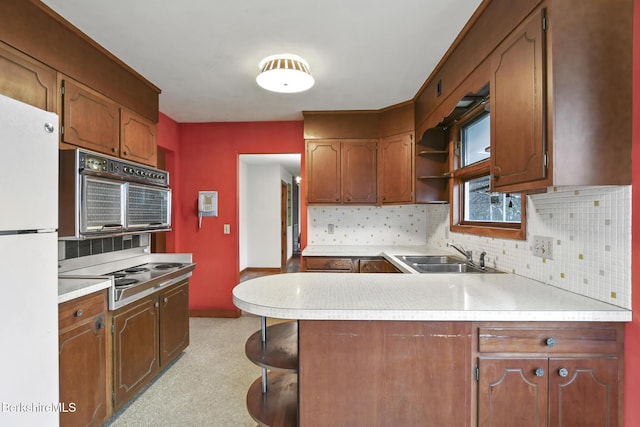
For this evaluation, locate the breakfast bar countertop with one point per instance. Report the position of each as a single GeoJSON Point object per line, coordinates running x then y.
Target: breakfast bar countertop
{"type": "Point", "coordinates": [417, 297]}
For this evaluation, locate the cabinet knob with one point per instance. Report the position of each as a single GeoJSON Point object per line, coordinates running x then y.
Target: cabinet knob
{"type": "Point", "coordinates": [539, 372]}
{"type": "Point", "coordinates": [551, 342]}
{"type": "Point", "coordinates": [157, 304]}
{"type": "Point", "coordinates": [79, 312]}
{"type": "Point", "coordinates": [113, 149]}
{"type": "Point", "coordinates": [48, 127]}
{"type": "Point", "coordinates": [563, 372]}
{"type": "Point", "coordinates": [126, 153]}
{"type": "Point", "coordinates": [166, 300]}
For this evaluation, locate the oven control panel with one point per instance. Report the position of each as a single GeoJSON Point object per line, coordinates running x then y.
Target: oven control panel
{"type": "Point", "coordinates": [94, 163]}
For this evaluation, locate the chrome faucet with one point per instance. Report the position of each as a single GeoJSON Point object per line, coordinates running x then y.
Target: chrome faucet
{"type": "Point", "coordinates": [467, 254]}
{"type": "Point", "coordinates": [482, 255]}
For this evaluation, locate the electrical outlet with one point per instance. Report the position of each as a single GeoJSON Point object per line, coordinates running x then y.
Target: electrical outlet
{"type": "Point", "coordinates": [543, 247]}
{"type": "Point", "coordinates": [330, 229]}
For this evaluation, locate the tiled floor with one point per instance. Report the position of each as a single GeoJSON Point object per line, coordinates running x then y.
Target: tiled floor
{"type": "Point", "coordinates": [207, 385]}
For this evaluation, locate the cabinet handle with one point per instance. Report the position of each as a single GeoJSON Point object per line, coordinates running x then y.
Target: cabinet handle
{"type": "Point", "coordinates": [539, 372]}
{"type": "Point", "coordinates": [79, 312]}
{"type": "Point", "coordinates": [113, 149]}
{"type": "Point", "coordinates": [563, 372]}
{"type": "Point", "coordinates": [551, 342]}
{"type": "Point", "coordinates": [126, 153]}
{"type": "Point", "coordinates": [166, 300]}
{"type": "Point", "coordinates": [157, 304]}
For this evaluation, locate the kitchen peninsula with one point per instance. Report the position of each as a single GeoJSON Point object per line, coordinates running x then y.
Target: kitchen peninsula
{"type": "Point", "coordinates": [442, 349]}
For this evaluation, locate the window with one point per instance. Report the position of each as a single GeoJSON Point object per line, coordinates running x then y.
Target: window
{"type": "Point", "coordinates": [474, 208]}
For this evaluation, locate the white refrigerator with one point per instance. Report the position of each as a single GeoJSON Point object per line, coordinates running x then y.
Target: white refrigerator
{"type": "Point", "coordinates": [28, 265]}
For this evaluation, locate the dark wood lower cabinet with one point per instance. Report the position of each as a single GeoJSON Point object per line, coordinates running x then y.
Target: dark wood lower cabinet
{"type": "Point", "coordinates": [556, 376]}
{"type": "Point", "coordinates": [428, 373]}
{"type": "Point", "coordinates": [147, 336]}
{"type": "Point", "coordinates": [174, 323]}
{"type": "Point", "coordinates": [135, 347]}
{"type": "Point", "coordinates": [83, 360]}
{"type": "Point", "coordinates": [384, 373]}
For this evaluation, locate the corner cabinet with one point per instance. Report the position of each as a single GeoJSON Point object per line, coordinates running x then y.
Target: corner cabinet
{"type": "Point", "coordinates": [83, 359]}
{"type": "Point", "coordinates": [91, 120]}
{"type": "Point", "coordinates": [147, 335]}
{"type": "Point", "coordinates": [432, 167]}
{"type": "Point", "coordinates": [395, 170]}
{"type": "Point", "coordinates": [570, 375]}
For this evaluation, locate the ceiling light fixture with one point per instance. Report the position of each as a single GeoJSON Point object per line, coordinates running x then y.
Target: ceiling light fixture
{"type": "Point", "coordinates": [285, 73]}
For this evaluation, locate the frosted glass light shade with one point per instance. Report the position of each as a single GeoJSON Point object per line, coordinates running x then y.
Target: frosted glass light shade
{"type": "Point", "coordinates": [285, 73]}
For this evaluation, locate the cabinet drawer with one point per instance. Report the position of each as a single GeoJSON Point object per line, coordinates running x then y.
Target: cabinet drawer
{"type": "Point", "coordinates": [80, 309]}
{"type": "Point", "coordinates": [328, 264]}
{"type": "Point", "coordinates": [547, 340]}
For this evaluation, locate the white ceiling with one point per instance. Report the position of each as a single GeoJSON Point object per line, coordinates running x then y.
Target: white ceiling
{"type": "Point", "coordinates": [204, 54]}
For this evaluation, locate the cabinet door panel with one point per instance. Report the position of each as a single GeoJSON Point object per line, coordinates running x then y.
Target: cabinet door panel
{"type": "Point", "coordinates": [82, 361]}
{"type": "Point", "coordinates": [135, 346]}
{"type": "Point", "coordinates": [518, 142]}
{"type": "Point", "coordinates": [137, 138]}
{"type": "Point", "coordinates": [510, 393]}
{"type": "Point", "coordinates": [359, 171]}
{"type": "Point", "coordinates": [396, 169]}
{"type": "Point", "coordinates": [27, 80]}
{"type": "Point", "coordinates": [90, 120]}
{"type": "Point", "coordinates": [174, 323]}
{"type": "Point", "coordinates": [587, 394]}
{"type": "Point", "coordinates": [323, 172]}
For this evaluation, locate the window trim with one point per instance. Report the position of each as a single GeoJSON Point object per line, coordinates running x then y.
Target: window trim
{"type": "Point", "coordinates": [457, 224]}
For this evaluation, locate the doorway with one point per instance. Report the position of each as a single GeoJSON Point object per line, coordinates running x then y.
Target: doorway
{"type": "Point", "coordinates": [266, 236]}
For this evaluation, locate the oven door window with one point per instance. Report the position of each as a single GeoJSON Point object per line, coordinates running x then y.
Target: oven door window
{"type": "Point", "coordinates": [103, 207]}
{"type": "Point", "coordinates": [148, 207]}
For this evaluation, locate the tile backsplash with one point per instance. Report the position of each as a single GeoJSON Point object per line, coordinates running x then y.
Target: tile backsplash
{"type": "Point", "coordinates": [590, 229]}
{"type": "Point", "coordinates": [367, 225]}
{"type": "Point", "coordinates": [70, 249]}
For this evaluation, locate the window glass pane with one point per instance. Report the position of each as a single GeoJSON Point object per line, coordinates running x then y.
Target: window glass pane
{"type": "Point", "coordinates": [481, 205]}
{"type": "Point", "coordinates": [475, 140]}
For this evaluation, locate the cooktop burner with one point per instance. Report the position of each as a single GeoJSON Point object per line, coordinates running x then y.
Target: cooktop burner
{"type": "Point", "coordinates": [118, 275]}
{"type": "Point", "coordinates": [122, 283]}
{"type": "Point", "coordinates": [167, 266]}
{"type": "Point", "coordinates": [136, 270]}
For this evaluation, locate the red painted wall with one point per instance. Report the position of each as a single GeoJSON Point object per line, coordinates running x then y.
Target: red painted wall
{"type": "Point", "coordinates": [632, 334]}
{"type": "Point", "coordinates": [208, 160]}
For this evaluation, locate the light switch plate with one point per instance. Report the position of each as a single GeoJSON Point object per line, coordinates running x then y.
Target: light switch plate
{"type": "Point", "coordinates": [227, 229]}
{"type": "Point", "coordinates": [543, 247]}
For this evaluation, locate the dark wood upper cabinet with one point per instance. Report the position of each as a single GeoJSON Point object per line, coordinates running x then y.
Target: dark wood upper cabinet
{"type": "Point", "coordinates": [323, 160]}
{"type": "Point", "coordinates": [89, 120]}
{"type": "Point", "coordinates": [26, 79]}
{"type": "Point", "coordinates": [137, 138]}
{"type": "Point", "coordinates": [396, 171]}
{"type": "Point", "coordinates": [359, 172]}
{"type": "Point", "coordinates": [518, 139]}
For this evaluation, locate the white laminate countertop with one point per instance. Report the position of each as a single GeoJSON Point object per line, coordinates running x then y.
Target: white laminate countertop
{"type": "Point", "coordinates": [74, 287]}
{"type": "Point", "coordinates": [435, 297]}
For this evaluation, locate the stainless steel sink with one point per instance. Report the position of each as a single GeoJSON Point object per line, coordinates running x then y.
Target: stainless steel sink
{"type": "Point", "coordinates": [443, 264]}
{"type": "Point", "coordinates": [431, 259]}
